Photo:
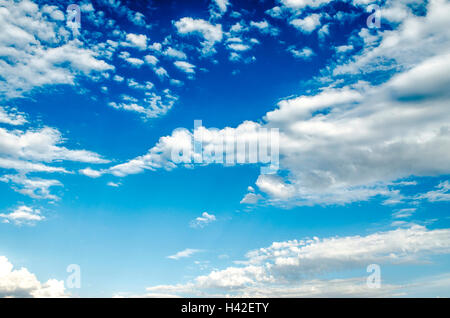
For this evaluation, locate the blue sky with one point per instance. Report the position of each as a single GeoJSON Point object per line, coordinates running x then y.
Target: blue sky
{"type": "Point", "coordinates": [92, 111]}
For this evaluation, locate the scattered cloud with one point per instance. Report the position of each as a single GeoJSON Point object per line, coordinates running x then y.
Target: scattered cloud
{"type": "Point", "coordinates": [441, 194]}
{"type": "Point", "coordinates": [23, 215]}
{"type": "Point", "coordinates": [138, 41]}
{"type": "Point", "coordinates": [185, 66]}
{"type": "Point", "coordinates": [211, 34]}
{"type": "Point", "coordinates": [308, 24]}
{"type": "Point", "coordinates": [183, 254]}
{"type": "Point", "coordinates": [287, 269]}
{"type": "Point", "coordinates": [203, 220]}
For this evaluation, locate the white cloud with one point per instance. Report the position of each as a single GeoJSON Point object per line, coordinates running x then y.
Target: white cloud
{"type": "Point", "coordinates": [238, 47]}
{"type": "Point", "coordinates": [416, 39]}
{"type": "Point", "coordinates": [21, 283]}
{"type": "Point", "coordinates": [175, 54]}
{"type": "Point", "coordinates": [160, 156]}
{"type": "Point", "coordinates": [251, 198]}
{"type": "Point", "coordinates": [133, 61]}
{"type": "Point", "coordinates": [404, 213]}
{"type": "Point", "coordinates": [276, 12]}
{"type": "Point", "coordinates": [367, 138]}
{"type": "Point", "coordinates": [301, 4]}
{"type": "Point", "coordinates": [344, 48]}
{"type": "Point", "coordinates": [222, 5]}
{"type": "Point", "coordinates": [308, 24]}
{"type": "Point", "coordinates": [285, 269]}
{"type": "Point", "coordinates": [36, 150]}
{"type": "Point", "coordinates": [185, 67]}
{"type": "Point", "coordinates": [175, 82]}
{"type": "Point", "coordinates": [152, 106]}
{"type": "Point", "coordinates": [118, 78]}
{"type": "Point", "coordinates": [20, 216]}
{"type": "Point", "coordinates": [35, 188]}
{"type": "Point", "coordinates": [342, 156]}
{"type": "Point", "coordinates": [11, 117]}
{"type": "Point", "coordinates": [210, 33]}
{"type": "Point", "coordinates": [183, 254]}
{"type": "Point", "coordinates": [161, 72]}
{"type": "Point", "coordinates": [347, 144]}
{"type": "Point", "coordinates": [36, 50]}
{"type": "Point", "coordinates": [41, 145]}
{"type": "Point", "coordinates": [237, 28]}
{"type": "Point", "coordinates": [306, 53]}
{"type": "Point", "coordinates": [323, 31]}
{"type": "Point", "coordinates": [218, 8]}
{"type": "Point", "coordinates": [440, 195]}
{"type": "Point", "coordinates": [265, 27]}
{"type": "Point", "coordinates": [203, 220]}
{"type": "Point", "coordinates": [90, 172]}
{"type": "Point", "coordinates": [156, 46]}
{"type": "Point", "coordinates": [275, 187]}
{"type": "Point", "coordinates": [138, 41]}
{"type": "Point", "coordinates": [150, 59]}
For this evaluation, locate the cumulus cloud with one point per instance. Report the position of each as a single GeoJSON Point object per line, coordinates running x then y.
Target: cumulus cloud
{"type": "Point", "coordinates": [90, 172]}
{"type": "Point", "coordinates": [301, 4]}
{"type": "Point", "coordinates": [251, 198]}
{"type": "Point", "coordinates": [163, 154]}
{"type": "Point", "coordinates": [306, 53]}
{"type": "Point", "coordinates": [11, 117]}
{"type": "Point", "coordinates": [287, 269]}
{"type": "Point", "coordinates": [175, 54]}
{"type": "Point", "coordinates": [23, 215]}
{"type": "Point", "coordinates": [133, 61]}
{"type": "Point", "coordinates": [151, 60]}
{"type": "Point", "coordinates": [138, 41]}
{"type": "Point", "coordinates": [218, 8]}
{"type": "Point", "coordinates": [276, 12]}
{"type": "Point", "coordinates": [21, 283]}
{"type": "Point", "coordinates": [222, 5]}
{"type": "Point", "coordinates": [203, 220]}
{"type": "Point", "coordinates": [368, 136]}
{"type": "Point", "coordinates": [415, 39]}
{"type": "Point", "coordinates": [211, 34]}
{"type": "Point", "coordinates": [185, 67]}
{"type": "Point", "coordinates": [307, 24]}
{"type": "Point", "coordinates": [41, 145]}
{"type": "Point", "coordinates": [265, 27]}
{"type": "Point", "coordinates": [349, 142]}
{"type": "Point", "coordinates": [37, 51]}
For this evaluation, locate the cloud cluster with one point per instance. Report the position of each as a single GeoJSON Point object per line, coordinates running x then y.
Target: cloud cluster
{"type": "Point", "coordinates": [203, 220]}
{"type": "Point", "coordinates": [28, 151]}
{"type": "Point", "coordinates": [210, 33]}
{"type": "Point", "coordinates": [37, 50]}
{"type": "Point", "coordinates": [287, 269]}
{"type": "Point", "coordinates": [21, 283]}
{"type": "Point", "coordinates": [22, 215]}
